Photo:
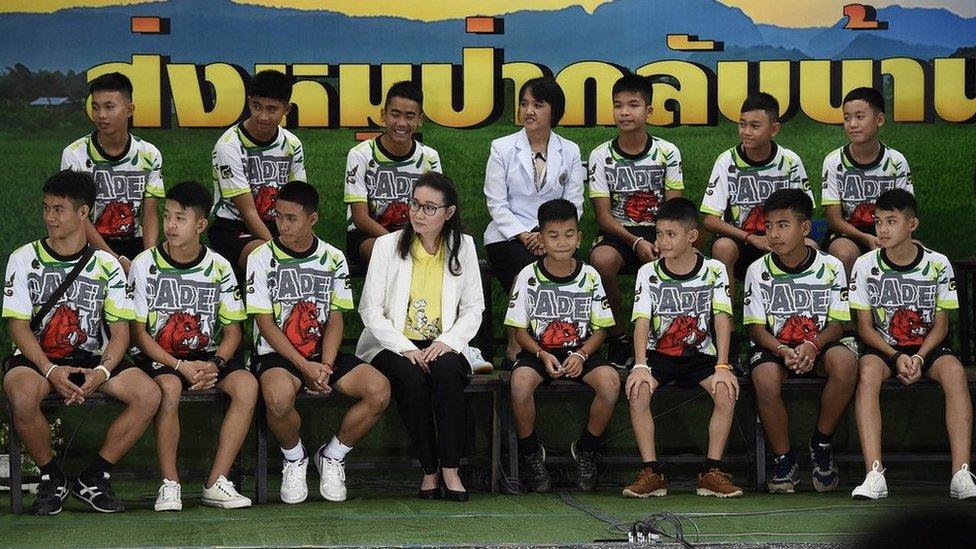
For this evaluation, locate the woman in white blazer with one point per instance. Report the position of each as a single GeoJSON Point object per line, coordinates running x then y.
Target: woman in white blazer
{"type": "Point", "coordinates": [421, 305]}
{"type": "Point", "coordinates": [526, 169]}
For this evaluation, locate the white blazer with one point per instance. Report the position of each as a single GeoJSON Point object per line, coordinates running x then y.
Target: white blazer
{"type": "Point", "coordinates": [513, 201]}
{"type": "Point", "coordinates": [386, 296]}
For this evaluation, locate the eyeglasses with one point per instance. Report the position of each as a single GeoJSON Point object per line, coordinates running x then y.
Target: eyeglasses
{"type": "Point", "coordinates": [429, 209]}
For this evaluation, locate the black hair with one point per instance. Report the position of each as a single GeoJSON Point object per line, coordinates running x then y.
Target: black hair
{"type": "Point", "coordinates": [78, 187]}
{"type": "Point", "coordinates": [112, 81]}
{"type": "Point", "coordinates": [406, 90]}
{"type": "Point", "coordinates": [762, 101]}
{"type": "Point", "coordinates": [546, 90]}
{"type": "Point", "coordinates": [681, 210]}
{"type": "Point", "coordinates": [557, 209]}
{"type": "Point", "coordinates": [300, 193]}
{"type": "Point", "coordinates": [795, 200]}
{"type": "Point", "coordinates": [452, 232]}
{"type": "Point", "coordinates": [192, 196]}
{"type": "Point", "coordinates": [870, 96]}
{"type": "Point", "coordinates": [634, 83]}
{"type": "Point", "coordinates": [897, 200]}
{"type": "Point", "coordinates": [271, 84]}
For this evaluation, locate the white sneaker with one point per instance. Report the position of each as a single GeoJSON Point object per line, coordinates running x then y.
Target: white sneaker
{"type": "Point", "coordinates": [874, 486]}
{"type": "Point", "coordinates": [294, 489]}
{"type": "Point", "coordinates": [477, 361]}
{"type": "Point", "coordinates": [962, 486]}
{"type": "Point", "coordinates": [332, 477]}
{"type": "Point", "coordinates": [170, 497]}
{"type": "Point", "coordinates": [223, 494]}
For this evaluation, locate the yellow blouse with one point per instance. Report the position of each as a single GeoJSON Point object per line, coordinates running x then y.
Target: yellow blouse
{"type": "Point", "coordinates": [424, 311]}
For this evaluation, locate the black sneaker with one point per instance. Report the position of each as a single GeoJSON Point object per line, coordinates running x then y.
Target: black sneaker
{"type": "Point", "coordinates": [785, 475]}
{"type": "Point", "coordinates": [587, 473]}
{"type": "Point", "coordinates": [97, 492]}
{"type": "Point", "coordinates": [620, 351]}
{"type": "Point", "coordinates": [535, 472]}
{"type": "Point", "coordinates": [51, 494]}
{"type": "Point", "coordinates": [825, 477]}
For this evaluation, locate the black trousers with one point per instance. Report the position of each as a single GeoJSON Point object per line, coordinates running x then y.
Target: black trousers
{"type": "Point", "coordinates": [422, 398]}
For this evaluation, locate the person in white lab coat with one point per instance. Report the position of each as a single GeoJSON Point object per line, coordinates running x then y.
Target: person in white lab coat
{"type": "Point", "coordinates": [526, 169]}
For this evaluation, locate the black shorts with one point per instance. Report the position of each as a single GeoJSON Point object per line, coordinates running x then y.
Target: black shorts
{"type": "Point", "coordinates": [760, 355]}
{"type": "Point", "coordinates": [685, 371]}
{"type": "Point", "coordinates": [88, 361]}
{"type": "Point", "coordinates": [748, 254]}
{"type": "Point", "coordinates": [507, 259]}
{"type": "Point", "coordinates": [832, 236]}
{"type": "Point", "coordinates": [935, 354]}
{"type": "Point", "coordinates": [354, 241]}
{"type": "Point", "coordinates": [344, 363]}
{"type": "Point", "coordinates": [228, 238]}
{"type": "Point", "coordinates": [648, 233]}
{"type": "Point", "coordinates": [526, 359]}
{"type": "Point", "coordinates": [126, 247]}
{"type": "Point", "coordinates": [155, 369]}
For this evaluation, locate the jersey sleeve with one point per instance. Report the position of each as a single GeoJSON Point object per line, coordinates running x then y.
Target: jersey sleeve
{"type": "Point", "coordinates": [601, 316]}
{"type": "Point", "coordinates": [296, 172]}
{"type": "Point", "coordinates": [721, 292]}
{"type": "Point", "coordinates": [716, 199]}
{"type": "Point", "coordinates": [228, 168]}
{"type": "Point", "coordinates": [118, 306]}
{"type": "Point", "coordinates": [858, 296]}
{"type": "Point", "coordinates": [68, 160]}
{"type": "Point", "coordinates": [830, 192]}
{"type": "Point", "coordinates": [434, 161]}
{"type": "Point", "coordinates": [154, 183]}
{"type": "Point", "coordinates": [800, 180]}
{"type": "Point", "coordinates": [16, 293]}
{"type": "Point", "coordinates": [596, 176]}
{"type": "Point", "coordinates": [258, 297]}
{"type": "Point", "coordinates": [904, 180]}
{"type": "Point", "coordinates": [753, 304]}
{"type": "Point", "coordinates": [840, 309]}
{"type": "Point", "coordinates": [946, 297]}
{"type": "Point", "coordinates": [341, 285]}
{"type": "Point", "coordinates": [230, 308]}
{"type": "Point", "coordinates": [642, 294]}
{"type": "Point", "coordinates": [137, 291]}
{"type": "Point", "coordinates": [517, 314]}
{"type": "Point", "coordinates": [355, 187]}
{"type": "Point", "coordinates": [673, 176]}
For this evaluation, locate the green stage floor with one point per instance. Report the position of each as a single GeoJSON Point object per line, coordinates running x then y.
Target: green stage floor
{"type": "Point", "coordinates": [378, 515]}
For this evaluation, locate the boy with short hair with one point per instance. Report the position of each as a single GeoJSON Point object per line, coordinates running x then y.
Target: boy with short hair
{"type": "Point", "coordinates": [127, 172]}
{"type": "Point", "coordinates": [251, 161]}
{"type": "Point", "coordinates": [856, 174]}
{"type": "Point", "coordinates": [186, 336]}
{"type": "Point", "coordinates": [681, 299]}
{"type": "Point", "coordinates": [560, 313]}
{"type": "Point", "coordinates": [629, 178]}
{"type": "Point", "coordinates": [72, 344]}
{"type": "Point", "coordinates": [380, 172]}
{"type": "Point", "coordinates": [297, 289]}
{"type": "Point", "coordinates": [902, 293]}
{"type": "Point", "coordinates": [795, 300]}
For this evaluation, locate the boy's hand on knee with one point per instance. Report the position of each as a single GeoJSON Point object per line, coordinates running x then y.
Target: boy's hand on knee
{"type": "Point", "coordinates": [638, 377]}
{"type": "Point", "coordinates": [725, 377]}
{"type": "Point", "coordinates": [646, 251]}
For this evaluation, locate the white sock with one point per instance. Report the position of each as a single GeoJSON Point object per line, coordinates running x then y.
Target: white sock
{"type": "Point", "coordinates": [336, 450]}
{"type": "Point", "coordinates": [294, 454]}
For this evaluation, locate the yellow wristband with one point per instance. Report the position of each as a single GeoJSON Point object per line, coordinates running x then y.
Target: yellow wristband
{"type": "Point", "coordinates": [723, 367]}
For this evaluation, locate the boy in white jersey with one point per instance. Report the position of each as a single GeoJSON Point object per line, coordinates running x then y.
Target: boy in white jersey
{"type": "Point", "coordinates": [902, 294]}
{"type": "Point", "coordinates": [127, 172]}
{"type": "Point", "coordinates": [560, 313]}
{"type": "Point", "coordinates": [297, 289]}
{"type": "Point", "coordinates": [187, 336]}
{"type": "Point", "coordinates": [795, 300]}
{"type": "Point", "coordinates": [61, 344]}
{"type": "Point", "coordinates": [856, 174]}
{"type": "Point", "coordinates": [679, 302]}
{"type": "Point", "coordinates": [380, 172]}
{"type": "Point", "coordinates": [629, 178]}
{"type": "Point", "coordinates": [251, 161]}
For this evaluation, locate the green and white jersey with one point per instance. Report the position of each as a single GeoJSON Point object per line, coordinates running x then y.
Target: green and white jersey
{"type": "Point", "coordinates": [559, 312]}
{"type": "Point", "coordinates": [74, 326]}
{"type": "Point", "coordinates": [739, 186]}
{"type": "Point", "coordinates": [300, 289]}
{"type": "Point", "coordinates": [243, 164]}
{"type": "Point", "coordinates": [385, 181]}
{"type": "Point", "coordinates": [121, 182]}
{"type": "Point", "coordinates": [635, 184]}
{"type": "Point", "coordinates": [855, 187]}
{"type": "Point", "coordinates": [184, 305]}
{"type": "Point", "coordinates": [796, 304]}
{"type": "Point", "coordinates": [903, 299]}
{"type": "Point", "coordinates": [681, 308]}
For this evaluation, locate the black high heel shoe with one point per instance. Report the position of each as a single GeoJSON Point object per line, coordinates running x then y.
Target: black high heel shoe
{"type": "Point", "coordinates": [454, 495]}
{"type": "Point", "coordinates": [433, 493]}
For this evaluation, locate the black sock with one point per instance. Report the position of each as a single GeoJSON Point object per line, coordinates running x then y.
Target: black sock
{"type": "Point", "coordinates": [52, 470]}
{"type": "Point", "coordinates": [528, 445]}
{"type": "Point", "coordinates": [653, 466]}
{"type": "Point", "coordinates": [711, 464]}
{"type": "Point", "coordinates": [820, 438]}
{"type": "Point", "coordinates": [588, 442]}
{"type": "Point", "coordinates": [787, 456]}
{"type": "Point", "coordinates": [98, 466]}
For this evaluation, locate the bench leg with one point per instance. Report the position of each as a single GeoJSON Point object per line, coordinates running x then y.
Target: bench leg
{"type": "Point", "coordinates": [496, 439]}
{"type": "Point", "coordinates": [760, 455]}
{"type": "Point", "coordinates": [261, 464]}
{"type": "Point", "coordinates": [508, 424]}
{"type": "Point", "coordinates": [16, 478]}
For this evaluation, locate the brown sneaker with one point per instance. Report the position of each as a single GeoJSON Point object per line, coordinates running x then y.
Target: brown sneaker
{"type": "Point", "coordinates": [648, 484]}
{"type": "Point", "coordinates": [718, 484]}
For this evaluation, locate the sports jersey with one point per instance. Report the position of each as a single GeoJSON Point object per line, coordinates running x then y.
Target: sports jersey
{"type": "Point", "coordinates": [299, 289]}
{"type": "Point", "coordinates": [796, 304]}
{"type": "Point", "coordinates": [559, 312]}
{"type": "Point", "coordinates": [121, 182]}
{"type": "Point", "coordinates": [243, 164]}
{"type": "Point", "coordinates": [680, 308]}
{"type": "Point", "coordinates": [739, 185]}
{"type": "Point", "coordinates": [385, 181]}
{"type": "Point", "coordinates": [903, 299]}
{"type": "Point", "coordinates": [855, 187]}
{"type": "Point", "coordinates": [635, 184]}
{"type": "Point", "coordinates": [74, 326]}
{"type": "Point", "coordinates": [184, 305]}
